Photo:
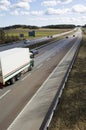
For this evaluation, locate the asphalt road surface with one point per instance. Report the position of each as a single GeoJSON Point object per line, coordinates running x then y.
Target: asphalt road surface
{"type": "Point", "coordinates": [13, 98]}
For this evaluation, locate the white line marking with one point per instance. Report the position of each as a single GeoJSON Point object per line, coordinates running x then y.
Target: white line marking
{"type": "Point", "coordinates": [39, 66]}
{"type": "Point", "coordinates": [26, 76]}
{"type": "Point", "coordinates": [5, 94]}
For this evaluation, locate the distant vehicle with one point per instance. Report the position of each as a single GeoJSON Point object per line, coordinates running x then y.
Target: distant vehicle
{"type": "Point", "coordinates": [26, 41]}
{"type": "Point", "coordinates": [49, 36]}
{"type": "Point", "coordinates": [13, 63]}
{"type": "Point", "coordinates": [73, 35]}
{"type": "Point", "coordinates": [34, 51]}
{"type": "Point", "coordinates": [66, 36]}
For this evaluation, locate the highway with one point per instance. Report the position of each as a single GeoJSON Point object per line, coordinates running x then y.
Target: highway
{"type": "Point", "coordinates": [13, 98]}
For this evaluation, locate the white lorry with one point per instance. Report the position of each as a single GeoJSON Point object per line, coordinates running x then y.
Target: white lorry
{"type": "Point", "coordinates": [13, 63]}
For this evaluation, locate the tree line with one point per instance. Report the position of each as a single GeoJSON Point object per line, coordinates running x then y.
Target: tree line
{"type": "Point", "coordinates": [36, 27]}
{"type": "Point", "coordinates": [60, 26]}
{"type": "Point", "coordinates": [20, 26]}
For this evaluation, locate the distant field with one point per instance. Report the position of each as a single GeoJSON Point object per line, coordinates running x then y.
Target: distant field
{"type": "Point", "coordinates": [38, 32]}
{"type": "Point", "coordinates": [71, 111]}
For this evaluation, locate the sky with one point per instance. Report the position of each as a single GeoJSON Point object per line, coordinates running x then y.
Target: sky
{"type": "Point", "coordinates": [42, 12]}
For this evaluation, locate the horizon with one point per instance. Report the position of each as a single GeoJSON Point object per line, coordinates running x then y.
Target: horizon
{"type": "Point", "coordinates": [42, 26]}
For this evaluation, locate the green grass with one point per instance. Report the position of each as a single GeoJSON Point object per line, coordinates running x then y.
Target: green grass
{"type": "Point", "coordinates": [38, 32]}
{"type": "Point", "coordinates": [71, 111]}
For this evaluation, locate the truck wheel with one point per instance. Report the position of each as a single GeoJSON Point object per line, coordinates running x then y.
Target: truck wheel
{"type": "Point", "coordinates": [12, 81]}
{"type": "Point", "coordinates": [18, 76]}
{"type": "Point", "coordinates": [30, 68]}
{"type": "Point", "coordinates": [33, 64]}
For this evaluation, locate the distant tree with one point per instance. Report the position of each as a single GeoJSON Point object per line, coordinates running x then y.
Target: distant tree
{"type": "Point", "coordinates": [62, 26]}
{"type": "Point", "coordinates": [84, 26]}
{"type": "Point", "coordinates": [2, 34]}
{"type": "Point", "coordinates": [21, 26]}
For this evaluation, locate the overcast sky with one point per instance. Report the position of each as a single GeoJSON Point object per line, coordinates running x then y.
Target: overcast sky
{"type": "Point", "coordinates": [42, 12]}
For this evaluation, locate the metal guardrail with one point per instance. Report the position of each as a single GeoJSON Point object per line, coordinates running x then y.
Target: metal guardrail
{"type": "Point", "coordinates": [49, 115]}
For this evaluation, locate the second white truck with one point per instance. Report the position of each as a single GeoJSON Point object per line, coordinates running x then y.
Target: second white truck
{"type": "Point", "coordinates": [13, 63]}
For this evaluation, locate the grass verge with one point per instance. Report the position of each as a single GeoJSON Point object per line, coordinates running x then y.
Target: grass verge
{"type": "Point", "coordinates": [71, 111]}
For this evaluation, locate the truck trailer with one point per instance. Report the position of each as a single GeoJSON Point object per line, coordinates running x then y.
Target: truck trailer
{"type": "Point", "coordinates": [13, 63]}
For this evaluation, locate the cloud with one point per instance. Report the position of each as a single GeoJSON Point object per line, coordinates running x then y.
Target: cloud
{"type": "Point", "coordinates": [19, 12]}
{"type": "Point", "coordinates": [22, 5]}
{"type": "Point", "coordinates": [24, 13]}
{"type": "Point", "coordinates": [36, 13]}
{"type": "Point", "coordinates": [64, 20]}
{"type": "Point", "coordinates": [52, 11]}
{"type": "Point", "coordinates": [84, 17]}
{"type": "Point", "coordinates": [79, 8]}
{"type": "Point", "coordinates": [49, 3]}
{"type": "Point", "coordinates": [4, 2]}
{"type": "Point", "coordinates": [15, 12]}
{"type": "Point", "coordinates": [4, 5]}
{"type": "Point", "coordinates": [55, 2]}
{"type": "Point", "coordinates": [63, 1]}
{"type": "Point", "coordinates": [27, 0]}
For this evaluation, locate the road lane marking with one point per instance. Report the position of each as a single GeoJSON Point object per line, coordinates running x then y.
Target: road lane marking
{"type": "Point", "coordinates": [26, 76]}
{"type": "Point", "coordinates": [5, 94]}
{"type": "Point", "coordinates": [39, 66]}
